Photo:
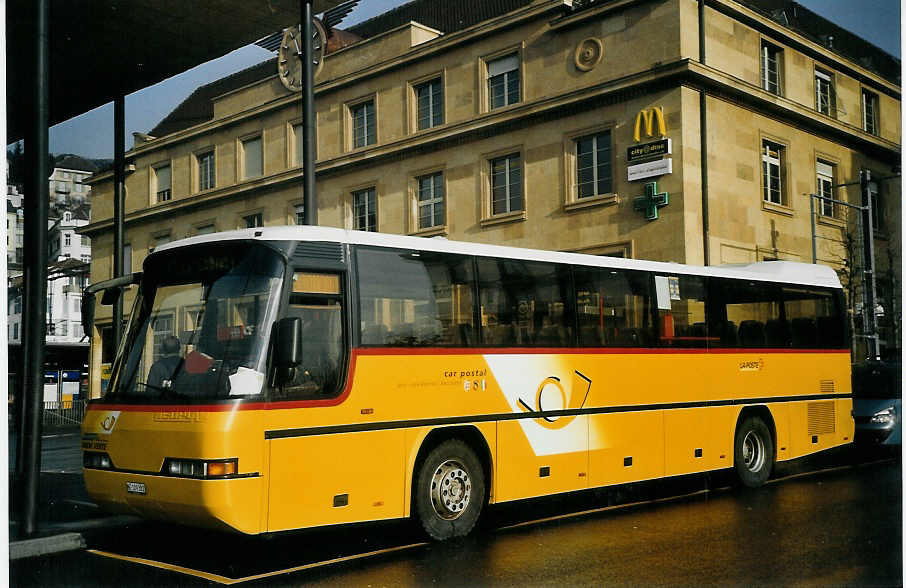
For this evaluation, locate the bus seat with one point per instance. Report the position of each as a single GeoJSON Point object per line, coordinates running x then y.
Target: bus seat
{"type": "Point", "coordinates": [728, 335]}
{"type": "Point", "coordinates": [499, 335]}
{"type": "Point", "coordinates": [629, 338]}
{"type": "Point", "coordinates": [552, 336]}
{"type": "Point", "coordinates": [375, 335]}
{"type": "Point", "coordinates": [829, 331]}
{"type": "Point", "coordinates": [804, 332]}
{"type": "Point", "coordinates": [465, 335]}
{"type": "Point", "coordinates": [699, 330]}
{"type": "Point", "coordinates": [777, 333]}
{"type": "Point", "coordinates": [751, 334]}
{"type": "Point", "coordinates": [591, 336]}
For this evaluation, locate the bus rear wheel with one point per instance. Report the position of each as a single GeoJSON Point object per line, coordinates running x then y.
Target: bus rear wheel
{"type": "Point", "coordinates": [753, 452]}
{"type": "Point", "coordinates": [449, 491]}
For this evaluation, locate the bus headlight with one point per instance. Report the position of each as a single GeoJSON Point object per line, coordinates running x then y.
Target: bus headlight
{"type": "Point", "coordinates": [200, 468]}
{"type": "Point", "coordinates": [96, 461]}
{"type": "Point", "coordinates": [885, 417]}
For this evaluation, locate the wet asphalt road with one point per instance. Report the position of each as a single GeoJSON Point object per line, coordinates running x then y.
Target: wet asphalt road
{"type": "Point", "coordinates": [824, 522]}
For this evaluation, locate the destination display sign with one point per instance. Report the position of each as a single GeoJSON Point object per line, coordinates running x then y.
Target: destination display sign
{"type": "Point", "coordinates": [645, 151]}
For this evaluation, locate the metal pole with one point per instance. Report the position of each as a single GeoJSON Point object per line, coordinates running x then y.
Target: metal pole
{"type": "Point", "coordinates": [811, 215]}
{"type": "Point", "coordinates": [119, 178]}
{"type": "Point", "coordinates": [37, 189]}
{"type": "Point", "coordinates": [868, 267]}
{"type": "Point", "coordinates": [309, 129]}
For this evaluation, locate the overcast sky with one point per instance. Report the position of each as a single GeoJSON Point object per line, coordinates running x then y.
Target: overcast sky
{"type": "Point", "coordinates": [91, 135]}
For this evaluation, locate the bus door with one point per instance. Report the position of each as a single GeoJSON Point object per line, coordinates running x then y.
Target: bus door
{"type": "Point", "coordinates": [698, 435]}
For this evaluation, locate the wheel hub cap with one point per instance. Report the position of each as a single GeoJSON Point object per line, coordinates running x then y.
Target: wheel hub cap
{"type": "Point", "coordinates": [451, 490]}
{"type": "Point", "coordinates": [753, 451]}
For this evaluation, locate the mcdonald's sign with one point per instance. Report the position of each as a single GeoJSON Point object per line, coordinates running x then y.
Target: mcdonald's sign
{"type": "Point", "coordinates": [649, 117]}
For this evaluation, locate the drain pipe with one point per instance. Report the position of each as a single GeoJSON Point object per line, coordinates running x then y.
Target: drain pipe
{"type": "Point", "coordinates": [703, 127]}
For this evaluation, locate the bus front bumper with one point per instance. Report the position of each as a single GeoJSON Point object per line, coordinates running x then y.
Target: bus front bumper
{"type": "Point", "coordinates": [227, 504]}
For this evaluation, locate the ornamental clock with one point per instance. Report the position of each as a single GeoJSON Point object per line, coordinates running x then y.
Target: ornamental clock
{"type": "Point", "coordinates": [289, 64]}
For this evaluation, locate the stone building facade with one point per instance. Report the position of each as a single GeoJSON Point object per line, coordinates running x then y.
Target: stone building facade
{"type": "Point", "coordinates": [526, 123]}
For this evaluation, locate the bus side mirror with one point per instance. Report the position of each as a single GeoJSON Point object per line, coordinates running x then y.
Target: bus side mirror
{"type": "Point", "coordinates": [288, 350]}
{"type": "Point", "coordinates": [87, 313]}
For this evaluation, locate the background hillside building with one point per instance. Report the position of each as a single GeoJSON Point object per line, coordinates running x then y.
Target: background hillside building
{"type": "Point", "coordinates": [69, 258]}
{"type": "Point", "coordinates": [671, 130]}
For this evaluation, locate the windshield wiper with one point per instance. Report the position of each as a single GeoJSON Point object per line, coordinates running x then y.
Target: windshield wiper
{"type": "Point", "coordinates": [163, 392]}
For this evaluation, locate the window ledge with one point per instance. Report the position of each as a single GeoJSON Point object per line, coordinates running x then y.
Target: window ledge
{"type": "Point", "coordinates": [778, 208]}
{"type": "Point", "coordinates": [590, 202]}
{"type": "Point", "coordinates": [500, 219]}
{"type": "Point", "coordinates": [830, 221]}
{"type": "Point", "coordinates": [440, 231]}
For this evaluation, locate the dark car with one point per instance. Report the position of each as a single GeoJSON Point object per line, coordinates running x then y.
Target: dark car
{"type": "Point", "coordinates": [877, 399]}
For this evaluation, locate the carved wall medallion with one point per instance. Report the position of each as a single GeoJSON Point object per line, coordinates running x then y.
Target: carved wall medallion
{"type": "Point", "coordinates": [589, 54]}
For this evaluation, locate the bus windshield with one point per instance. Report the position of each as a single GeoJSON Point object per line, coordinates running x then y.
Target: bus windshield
{"type": "Point", "coordinates": [201, 325]}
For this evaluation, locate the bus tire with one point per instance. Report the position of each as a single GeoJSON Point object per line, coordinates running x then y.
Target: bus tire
{"type": "Point", "coordinates": [753, 452]}
{"type": "Point", "coordinates": [449, 490]}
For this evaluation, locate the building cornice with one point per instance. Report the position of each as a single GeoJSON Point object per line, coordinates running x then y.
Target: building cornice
{"type": "Point", "coordinates": [666, 76]}
{"type": "Point", "coordinates": [417, 53]}
{"type": "Point", "coordinates": [800, 43]}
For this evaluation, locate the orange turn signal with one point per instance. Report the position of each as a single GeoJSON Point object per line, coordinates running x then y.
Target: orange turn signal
{"type": "Point", "coordinates": [221, 468]}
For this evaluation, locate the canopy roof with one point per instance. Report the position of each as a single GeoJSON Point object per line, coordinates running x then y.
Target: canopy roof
{"type": "Point", "coordinates": [101, 49]}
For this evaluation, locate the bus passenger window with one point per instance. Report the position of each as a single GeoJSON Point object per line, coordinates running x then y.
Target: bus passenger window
{"type": "Point", "coordinates": [814, 317]}
{"type": "Point", "coordinates": [747, 314]}
{"type": "Point", "coordinates": [525, 303]}
{"type": "Point", "coordinates": [612, 307]}
{"type": "Point", "coordinates": [415, 298]}
{"type": "Point", "coordinates": [682, 318]}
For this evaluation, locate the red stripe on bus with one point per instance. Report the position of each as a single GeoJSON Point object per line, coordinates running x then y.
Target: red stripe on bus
{"type": "Point", "coordinates": [391, 351]}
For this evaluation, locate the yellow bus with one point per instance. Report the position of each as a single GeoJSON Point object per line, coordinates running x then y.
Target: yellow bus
{"type": "Point", "coordinates": [293, 377]}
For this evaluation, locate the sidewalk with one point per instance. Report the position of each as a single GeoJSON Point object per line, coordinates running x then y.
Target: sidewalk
{"type": "Point", "coordinates": [65, 512]}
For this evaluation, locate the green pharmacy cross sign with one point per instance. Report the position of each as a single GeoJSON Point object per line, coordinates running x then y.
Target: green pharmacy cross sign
{"type": "Point", "coordinates": [651, 201]}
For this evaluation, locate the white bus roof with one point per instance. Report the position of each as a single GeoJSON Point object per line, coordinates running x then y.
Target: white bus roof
{"type": "Point", "coordinates": [788, 272]}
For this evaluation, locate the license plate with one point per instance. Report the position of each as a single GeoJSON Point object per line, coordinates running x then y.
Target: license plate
{"type": "Point", "coordinates": [136, 488]}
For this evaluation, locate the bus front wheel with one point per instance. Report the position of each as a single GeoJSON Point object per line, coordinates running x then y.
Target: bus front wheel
{"type": "Point", "coordinates": [450, 490]}
{"type": "Point", "coordinates": [753, 452]}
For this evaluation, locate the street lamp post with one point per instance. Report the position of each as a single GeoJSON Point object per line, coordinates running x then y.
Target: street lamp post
{"type": "Point", "coordinates": [310, 206]}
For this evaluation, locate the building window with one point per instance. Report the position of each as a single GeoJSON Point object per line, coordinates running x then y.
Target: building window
{"type": "Point", "coordinates": [771, 60]}
{"type": "Point", "coordinates": [825, 100]}
{"type": "Point", "coordinates": [870, 112]}
{"type": "Point", "coordinates": [429, 99]}
{"type": "Point", "coordinates": [364, 210]}
{"type": "Point", "coordinates": [67, 217]}
{"type": "Point", "coordinates": [594, 175]}
{"type": "Point", "coordinates": [877, 206]}
{"type": "Point", "coordinates": [503, 81]}
{"type": "Point", "coordinates": [67, 239]}
{"type": "Point", "coordinates": [825, 185]}
{"type": "Point", "coordinates": [162, 179]}
{"type": "Point", "coordinates": [253, 162]}
{"type": "Point", "coordinates": [206, 229]}
{"type": "Point", "coordinates": [363, 127]}
{"type": "Point", "coordinates": [506, 184]}
{"type": "Point", "coordinates": [772, 155]}
{"type": "Point", "coordinates": [431, 201]}
{"type": "Point", "coordinates": [253, 221]}
{"type": "Point", "coordinates": [206, 170]}
{"type": "Point", "coordinates": [298, 140]}
{"type": "Point", "coordinates": [299, 212]}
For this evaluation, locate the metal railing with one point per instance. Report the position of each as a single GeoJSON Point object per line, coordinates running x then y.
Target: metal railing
{"type": "Point", "coordinates": [64, 413]}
